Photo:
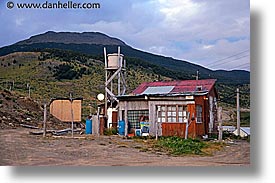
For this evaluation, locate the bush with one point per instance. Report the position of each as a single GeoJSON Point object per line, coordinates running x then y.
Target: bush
{"type": "Point", "coordinates": [178, 146]}
{"type": "Point", "coordinates": [110, 131]}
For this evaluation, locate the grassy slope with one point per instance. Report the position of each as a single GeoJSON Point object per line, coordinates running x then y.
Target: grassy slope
{"type": "Point", "coordinates": [26, 67]}
{"type": "Point", "coordinates": [182, 69]}
{"type": "Point", "coordinates": [29, 69]}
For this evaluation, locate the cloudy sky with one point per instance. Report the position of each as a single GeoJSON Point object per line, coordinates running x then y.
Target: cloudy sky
{"type": "Point", "coordinates": [211, 33]}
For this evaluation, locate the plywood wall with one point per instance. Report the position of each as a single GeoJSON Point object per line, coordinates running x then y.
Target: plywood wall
{"type": "Point", "coordinates": [61, 109]}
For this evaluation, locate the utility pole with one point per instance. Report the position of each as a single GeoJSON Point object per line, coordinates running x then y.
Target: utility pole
{"type": "Point", "coordinates": [238, 112]}
{"type": "Point", "coordinates": [220, 123]}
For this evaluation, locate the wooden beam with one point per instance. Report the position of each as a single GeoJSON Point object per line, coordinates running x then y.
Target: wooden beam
{"type": "Point", "coordinates": [45, 119]}
{"type": "Point", "coordinates": [112, 77]}
{"type": "Point", "coordinates": [220, 123]}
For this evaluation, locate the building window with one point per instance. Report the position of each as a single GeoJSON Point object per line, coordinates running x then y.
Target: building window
{"type": "Point", "coordinates": [182, 112]}
{"type": "Point", "coordinates": [161, 113]}
{"type": "Point", "coordinates": [198, 113]}
{"type": "Point", "coordinates": [172, 113]}
{"type": "Point", "coordinates": [134, 117]}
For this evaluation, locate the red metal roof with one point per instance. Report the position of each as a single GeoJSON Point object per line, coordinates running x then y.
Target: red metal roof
{"type": "Point", "coordinates": [183, 86]}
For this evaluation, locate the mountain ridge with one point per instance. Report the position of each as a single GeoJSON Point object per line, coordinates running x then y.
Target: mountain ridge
{"type": "Point", "coordinates": [72, 37]}
{"type": "Point", "coordinates": [92, 43]}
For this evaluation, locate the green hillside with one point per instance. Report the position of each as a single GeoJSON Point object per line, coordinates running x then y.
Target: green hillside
{"type": "Point", "coordinates": [55, 64]}
{"type": "Point", "coordinates": [184, 69]}
{"type": "Point", "coordinates": [65, 71]}
{"type": "Point", "coordinates": [50, 75]}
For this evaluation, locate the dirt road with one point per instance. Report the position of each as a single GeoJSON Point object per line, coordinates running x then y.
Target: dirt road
{"type": "Point", "coordinates": [17, 148]}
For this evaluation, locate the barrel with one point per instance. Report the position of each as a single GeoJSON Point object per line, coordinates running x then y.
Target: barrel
{"type": "Point", "coordinates": [88, 126]}
{"type": "Point", "coordinates": [121, 127]}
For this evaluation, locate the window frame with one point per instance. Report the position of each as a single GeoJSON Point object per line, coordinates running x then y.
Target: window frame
{"type": "Point", "coordinates": [172, 113]}
{"type": "Point", "coordinates": [199, 116]}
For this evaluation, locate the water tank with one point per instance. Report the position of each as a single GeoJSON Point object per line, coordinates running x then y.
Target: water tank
{"type": "Point", "coordinates": [113, 62]}
{"type": "Point", "coordinates": [121, 127]}
{"type": "Point", "coordinates": [88, 126]}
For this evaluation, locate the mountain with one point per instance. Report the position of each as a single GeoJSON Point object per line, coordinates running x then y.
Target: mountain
{"type": "Point", "coordinates": [96, 38]}
{"type": "Point", "coordinates": [92, 43]}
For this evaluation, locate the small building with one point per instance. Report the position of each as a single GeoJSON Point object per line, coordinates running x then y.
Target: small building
{"type": "Point", "coordinates": [170, 105]}
{"type": "Point", "coordinates": [62, 109]}
{"type": "Point", "coordinates": [244, 132]}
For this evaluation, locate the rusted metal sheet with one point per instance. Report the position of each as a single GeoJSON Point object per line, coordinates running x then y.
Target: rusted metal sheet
{"type": "Point", "coordinates": [173, 129]}
{"type": "Point", "coordinates": [114, 119]}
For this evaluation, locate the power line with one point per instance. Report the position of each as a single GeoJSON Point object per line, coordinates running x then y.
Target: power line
{"type": "Point", "coordinates": [248, 66]}
{"type": "Point", "coordinates": [227, 58]}
{"type": "Point", "coordinates": [239, 66]}
{"type": "Point", "coordinates": [229, 61]}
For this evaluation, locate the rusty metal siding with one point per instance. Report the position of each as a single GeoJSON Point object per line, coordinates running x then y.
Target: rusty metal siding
{"type": "Point", "coordinates": [173, 129]}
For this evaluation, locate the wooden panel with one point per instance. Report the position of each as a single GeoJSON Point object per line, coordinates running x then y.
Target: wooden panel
{"type": "Point", "coordinates": [102, 125]}
{"type": "Point", "coordinates": [173, 129]}
{"type": "Point", "coordinates": [61, 109]}
{"type": "Point", "coordinates": [192, 128]}
{"type": "Point", "coordinates": [114, 119]}
{"type": "Point", "coordinates": [202, 128]}
{"type": "Point", "coordinates": [134, 105]}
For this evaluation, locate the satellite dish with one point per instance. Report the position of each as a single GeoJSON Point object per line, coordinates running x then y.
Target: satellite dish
{"type": "Point", "coordinates": [100, 97]}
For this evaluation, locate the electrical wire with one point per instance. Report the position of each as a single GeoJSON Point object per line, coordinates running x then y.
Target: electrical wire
{"type": "Point", "coordinates": [227, 57]}
{"type": "Point", "coordinates": [239, 66]}
{"type": "Point", "coordinates": [229, 61]}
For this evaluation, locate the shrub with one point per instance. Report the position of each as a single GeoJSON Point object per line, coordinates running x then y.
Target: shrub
{"type": "Point", "coordinates": [110, 131]}
{"type": "Point", "coordinates": [178, 146]}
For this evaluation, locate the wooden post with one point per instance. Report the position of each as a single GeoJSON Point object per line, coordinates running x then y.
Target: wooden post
{"type": "Point", "coordinates": [45, 119]}
{"type": "Point", "coordinates": [158, 115]}
{"type": "Point", "coordinates": [126, 118]}
{"type": "Point", "coordinates": [118, 80]}
{"type": "Point", "coordinates": [90, 105]}
{"type": "Point", "coordinates": [98, 120]}
{"type": "Point", "coordinates": [187, 125]}
{"type": "Point", "coordinates": [220, 123]}
{"type": "Point", "coordinates": [238, 112]}
{"type": "Point", "coordinates": [72, 114]}
{"type": "Point", "coordinates": [106, 79]}
{"type": "Point", "coordinates": [29, 90]}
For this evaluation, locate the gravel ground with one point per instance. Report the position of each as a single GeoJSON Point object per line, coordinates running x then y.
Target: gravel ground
{"type": "Point", "coordinates": [18, 148]}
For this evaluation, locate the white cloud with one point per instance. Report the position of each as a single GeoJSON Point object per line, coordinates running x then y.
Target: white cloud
{"type": "Point", "coordinates": [196, 30]}
{"type": "Point", "coordinates": [207, 46]}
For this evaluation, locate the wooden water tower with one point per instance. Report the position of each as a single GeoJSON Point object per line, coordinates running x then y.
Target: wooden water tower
{"type": "Point", "coordinates": [115, 75]}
